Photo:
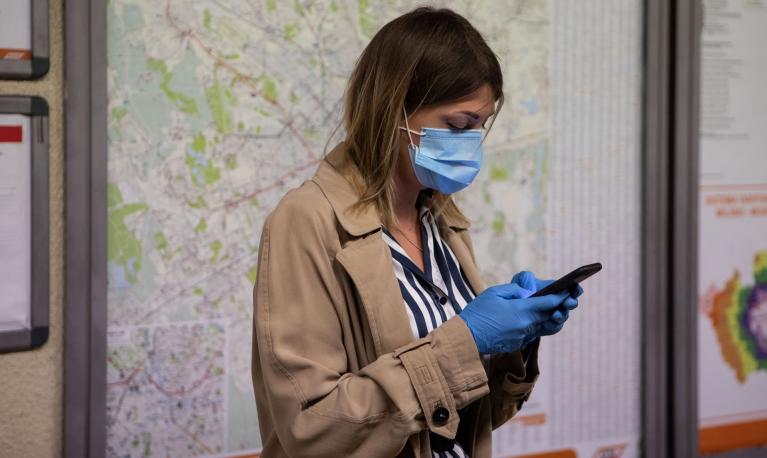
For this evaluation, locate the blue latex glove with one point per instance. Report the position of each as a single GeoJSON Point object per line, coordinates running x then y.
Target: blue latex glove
{"type": "Point", "coordinates": [503, 316]}
{"type": "Point", "coordinates": [556, 321]}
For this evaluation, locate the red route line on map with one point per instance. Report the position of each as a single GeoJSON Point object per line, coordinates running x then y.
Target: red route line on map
{"type": "Point", "coordinates": [280, 181]}
{"type": "Point", "coordinates": [179, 392]}
{"type": "Point", "coordinates": [126, 380]}
{"type": "Point", "coordinates": [174, 393]}
{"type": "Point", "coordinates": [245, 79]}
{"type": "Point", "coordinates": [248, 81]}
{"type": "Point", "coordinates": [191, 436]}
{"type": "Point", "coordinates": [170, 393]}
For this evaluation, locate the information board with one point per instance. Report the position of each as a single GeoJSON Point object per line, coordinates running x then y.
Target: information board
{"type": "Point", "coordinates": [216, 109]}
{"type": "Point", "coordinates": [15, 222]}
{"type": "Point", "coordinates": [732, 324]}
{"type": "Point", "coordinates": [23, 222]}
{"type": "Point", "coordinates": [15, 30]}
{"type": "Point", "coordinates": [23, 38]}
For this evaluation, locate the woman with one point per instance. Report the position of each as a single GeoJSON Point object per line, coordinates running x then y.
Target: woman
{"type": "Point", "coordinates": [374, 334]}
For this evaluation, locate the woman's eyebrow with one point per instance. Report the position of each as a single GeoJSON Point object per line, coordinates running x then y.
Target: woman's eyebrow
{"type": "Point", "coordinates": [475, 115]}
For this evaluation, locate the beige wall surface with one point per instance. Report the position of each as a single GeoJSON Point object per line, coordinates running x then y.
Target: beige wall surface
{"type": "Point", "coordinates": [31, 382]}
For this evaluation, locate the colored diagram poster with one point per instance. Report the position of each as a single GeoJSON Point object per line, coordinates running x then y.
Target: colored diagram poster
{"type": "Point", "coordinates": [732, 324]}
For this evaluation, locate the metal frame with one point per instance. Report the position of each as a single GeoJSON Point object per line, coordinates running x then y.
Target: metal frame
{"type": "Point", "coordinates": [40, 63]}
{"type": "Point", "coordinates": [655, 243]}
{"type": "Point", "coordinates": [688, 22]}
{"type": "Point", "coordinates": [669, 228]}
{"type": "Point", "coordinates": [86, 229]}
{"type": "Point", "coordinates": [37, 334]}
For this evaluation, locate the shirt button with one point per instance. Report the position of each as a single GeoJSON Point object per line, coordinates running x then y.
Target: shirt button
{"type": "Point", "coordinates": [440, 415]}
{"type": "Point", "coordinates": [443, 300]}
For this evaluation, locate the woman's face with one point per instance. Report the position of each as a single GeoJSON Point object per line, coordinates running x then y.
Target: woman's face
{"type": "Point", "coordinates": [469, 112]}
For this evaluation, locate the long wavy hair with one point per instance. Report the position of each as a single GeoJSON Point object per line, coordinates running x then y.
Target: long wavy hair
{"type": "Point", "coordinates": [425, 57]}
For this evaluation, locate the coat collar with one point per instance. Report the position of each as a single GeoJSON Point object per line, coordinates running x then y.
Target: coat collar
{"type": "Point", "coordinates": [332, 179]}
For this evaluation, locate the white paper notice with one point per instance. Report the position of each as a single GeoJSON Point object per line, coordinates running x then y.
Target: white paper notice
{"type": "Point", "coordinates": [15, 222]}
{"type": "Point", "coordinates": [15, 29]}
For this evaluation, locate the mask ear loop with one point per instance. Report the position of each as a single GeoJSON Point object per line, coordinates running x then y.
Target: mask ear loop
{"type": "Point", "coordinates": [407, 127]}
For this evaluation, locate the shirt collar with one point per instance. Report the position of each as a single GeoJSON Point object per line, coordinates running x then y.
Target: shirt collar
{"type": "Point", "coordinates": [335, 175]}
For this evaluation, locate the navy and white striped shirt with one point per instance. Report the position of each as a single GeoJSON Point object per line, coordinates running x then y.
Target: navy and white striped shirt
{"type": "Point", "coordinates": [434, 295]}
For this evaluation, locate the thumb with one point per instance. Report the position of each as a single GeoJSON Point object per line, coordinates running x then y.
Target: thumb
{"type": "Point", "coordinates": [512, 291]}
{"type": "Point", "coordinates": [540, 284]}
{"type": "Point", "coordinates": [547, 302]}
{"type": "Point", "coordinates": [525, 279]}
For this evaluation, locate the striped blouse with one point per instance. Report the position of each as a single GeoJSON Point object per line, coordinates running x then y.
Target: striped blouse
{"type": "Point", "coordinates": [434, 295]}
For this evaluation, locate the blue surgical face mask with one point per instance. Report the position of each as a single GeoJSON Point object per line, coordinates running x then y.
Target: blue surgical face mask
{"type": "Point", "coordinates": [446, 160]}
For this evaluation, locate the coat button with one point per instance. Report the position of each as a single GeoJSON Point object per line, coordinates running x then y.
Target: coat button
{"type": "Point", "coordinates": [443, 300]}
{"type": "Point", "coordinates": [440, 415]}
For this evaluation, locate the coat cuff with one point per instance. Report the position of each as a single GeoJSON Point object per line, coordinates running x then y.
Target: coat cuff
{"type": "Point", "coordinates": [447, 373]}
{"type": "Point", "coordinates": [518, 377]}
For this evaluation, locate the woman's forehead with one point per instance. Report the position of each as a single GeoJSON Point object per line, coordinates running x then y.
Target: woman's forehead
{"type": "Point", "coordinates": [479, 101]}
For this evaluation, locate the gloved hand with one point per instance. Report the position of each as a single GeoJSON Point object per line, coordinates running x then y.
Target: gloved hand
{"type": "Point", "coordinates": [557, 319]}
{"type": "Point", "coordinates": [503, 316]}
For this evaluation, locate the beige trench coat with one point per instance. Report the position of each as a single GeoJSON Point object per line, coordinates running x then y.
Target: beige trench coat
{"type": "Point", "coordinates": [336, 369]}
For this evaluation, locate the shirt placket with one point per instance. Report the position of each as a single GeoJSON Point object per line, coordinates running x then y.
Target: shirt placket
{"type": "Point", "coordinates": [443, 292]}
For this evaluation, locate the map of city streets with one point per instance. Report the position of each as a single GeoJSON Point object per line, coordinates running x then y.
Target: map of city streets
{"type": "Point", "coordinates": [216, 109]}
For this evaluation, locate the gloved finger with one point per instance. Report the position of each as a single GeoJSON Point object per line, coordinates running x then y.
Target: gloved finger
{"type": "Point", "coordinates": [511, 291]}
{"type": "Point", "coordinates": [560, 315]}
{"type": "Point", "coordinates": [547, 302]}
{"type": "Point", "coordinates": [576, 291]}
{"type": "Point", "coordinates": [525, 279]}
{"type": "Point", "coordinates": [550, 328]}
{"type": "Point", "coordinates": [570, 303]}
{"type": "Point", "coordinates": [540, 284]}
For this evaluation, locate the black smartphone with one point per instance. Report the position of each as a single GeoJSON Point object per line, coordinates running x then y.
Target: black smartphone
{"type": "Point", "coordinates": [569, 280]}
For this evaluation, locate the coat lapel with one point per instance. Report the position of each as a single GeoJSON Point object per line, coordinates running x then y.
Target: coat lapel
{"type": "Point", "coordinates": [369, 265]}
{"type": "Point", "coordinates": [365, 256]}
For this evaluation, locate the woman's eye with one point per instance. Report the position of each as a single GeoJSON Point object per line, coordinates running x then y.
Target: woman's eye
{"type": "Point", "coordinates": [456, 122]}
{"type": "Point", "coordinates": [465, 126]}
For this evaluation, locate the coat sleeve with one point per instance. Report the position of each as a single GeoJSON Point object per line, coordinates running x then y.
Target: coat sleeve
{"type": "Point", "coordinates": [318, 407]}
{"type": "Point", "coordinates": [511, 376]}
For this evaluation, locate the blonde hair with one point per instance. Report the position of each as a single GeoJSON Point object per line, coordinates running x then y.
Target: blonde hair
{"type": "Point", "coordinates": [425, 57]}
